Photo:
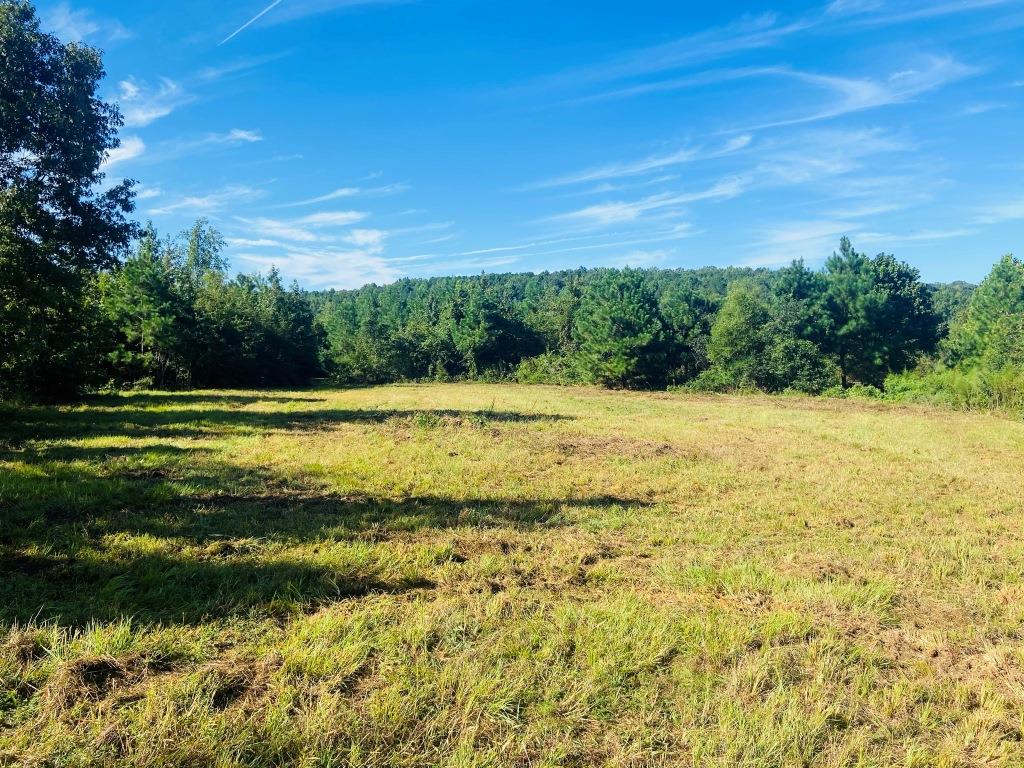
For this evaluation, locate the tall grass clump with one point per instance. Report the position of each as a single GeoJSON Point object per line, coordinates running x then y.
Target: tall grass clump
{"type": "Point", "coordinates": [973, 389]}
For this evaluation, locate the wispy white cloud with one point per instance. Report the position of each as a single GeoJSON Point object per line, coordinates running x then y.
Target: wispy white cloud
{"type": "Point", "coordinates": [815, 155]}
{"type": "Point", "coordinates": [141, 103]}
{"type": "Point", "coordinates": [301, 9]}
{"type": "Point", "coordinates": [867, 210]}
{"type": "Point", "coordinates": [530, 245]}
{"type": "Point", "coordinates": [618, 212]}
{"type": "Point", "coordinates": [641, 258]}
{"type": "Point", "coordinates": [745, 34]}
{"type": "Point", "coordinates": [148, 193]}
{"type": "Point", "coordinates": [248, 242]}
{"type": "Point", "coordinates": [607, 187]}
{"type": "Point", "coordinates": [849, 94]}
{"type": "Point", "coordinates": [335, 195]}
{"type": "Point", "coordinates": [331, 219]}
{"type": "Point", "coordinates": [474, 260]}
{"type": "Point", "coordinates": [81, 25]}
{"type": "Point", "coordinates": [696, 80]}
{"type": "Point", "coordinates": [852, 7]}
{"type": "Point", "coordinates": [748, 33]}
{"type": "Point", "coordinates": [371, 239]}
{"type": "Point", "coordinates": [306, 229]}
{"type": "Point", "coordinates": [981, 108]}
{"type": "Point", "coordinates": [808, 240]}
{"type": "Point", "coordinates": [212, 202]}
{"type": "Point", "coordinates": [645, 165]}
{"type": "Point", "coordinates": [240, 67]}
{"type": "Point", "coordinates": [429, 265]}
{"type": "Point", "coordinates": [901, 13]}
{"type": "Point", "coordinates": [860, 94]}
{"type": "Point", "coordinates": [1011, 210]}
{"type": "Point", "coordinates": [132, 147]}
{"type": "Point", "coordinates": [327, 267]}
{"type": "Point", "coordinates": [676, 232]}
{"type": "Point", "coordinates": [419, 229]}
{"type": "Point", "coordinates": [909, 238]}
{"type": "Point", "coordinates": [621, 169]}
{"type": "Point", "coordinates": [343, 192]}
{"type": "Point", "coordinates": [184, 147]}
{"type": "Point", "coordinates": [277, 229]}
{"type": "Point", "coordinates": [814, 241]}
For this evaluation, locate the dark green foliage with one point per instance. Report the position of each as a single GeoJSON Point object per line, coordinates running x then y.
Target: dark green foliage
{"type": "Point", "coordinates": [989, 332]}
{"type": "Point", "coordinates": [443, 328]}
{"type": "Point", "coordinates": [869, 317]}
{"type": "Point", "coordinates": [144, 309]}
{"type": "Point", "coordinates": [949, 300]}
{"type": "Point", "coordinates": [621, 332]}
{"type": "Point", "coordinates": [756, 343]}
{"type": "Point", "coordinates": [489, 336]}
{"type": "Point", "coordinates": [56, 227]}
{"type": "Point", "coordinates": [882, 316]}
{"type": "Point", "coordinates": [688, 315]}
{"type": "Point", "coordinates": [177, 320]}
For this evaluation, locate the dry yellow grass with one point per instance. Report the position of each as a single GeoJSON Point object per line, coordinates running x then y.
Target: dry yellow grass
{"type": "Point", "coordinates": [492, 575]}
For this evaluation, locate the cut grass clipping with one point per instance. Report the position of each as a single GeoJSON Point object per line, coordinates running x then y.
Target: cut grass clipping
{"type": "Point", "coordinates": [474, 575]}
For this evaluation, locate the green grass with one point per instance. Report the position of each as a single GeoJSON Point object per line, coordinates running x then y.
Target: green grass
{"type": "Point", "coordinates": [499, 575]}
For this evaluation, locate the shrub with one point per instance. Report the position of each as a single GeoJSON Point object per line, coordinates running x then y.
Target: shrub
{"type": "Point", "coordinates": [973, 389]}
{"type": "Point", "coordinates": [549, 368]}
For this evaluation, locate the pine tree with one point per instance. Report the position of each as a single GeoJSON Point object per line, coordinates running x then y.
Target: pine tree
{"type": "Point", "coordinates": [621, 332]}
{"type": "Point", "coordinates": [990, 332]}
{"type": "Point", "coordinates": [881, 315]}
{"type": "Point", "coordinates": [139, 300]}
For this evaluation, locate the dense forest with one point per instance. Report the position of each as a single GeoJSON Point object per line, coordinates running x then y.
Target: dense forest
{"type": "Point", "coordinates": [89, 299]}
{"type": "Point", "coordinates": [861, 325]}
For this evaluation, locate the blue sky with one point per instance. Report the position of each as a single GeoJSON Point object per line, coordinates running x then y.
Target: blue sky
{"type": "Point", "coordinates": [354, 141]}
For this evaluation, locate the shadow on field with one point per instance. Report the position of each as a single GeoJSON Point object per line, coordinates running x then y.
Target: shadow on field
{"type": "Point", "coordinates": [164, 533]}
{"type": "Point", "coordinates": [160, 399]}
{"type": "Point", "coordinates": [136, 417]}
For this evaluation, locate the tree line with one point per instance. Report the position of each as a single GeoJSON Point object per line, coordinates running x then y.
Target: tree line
{"type": "Point", "coordinates": [90, 299]}
{"type": "Point", "coordinates": [857, 321]}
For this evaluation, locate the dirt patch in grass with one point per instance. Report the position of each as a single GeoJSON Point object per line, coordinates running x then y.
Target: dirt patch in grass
{"type": "Point", "coordinates": [587, 446]}
{"type": "Point", "coordinates": [236, 682]}
{"type": "Point", "coordinates": [94, 678]}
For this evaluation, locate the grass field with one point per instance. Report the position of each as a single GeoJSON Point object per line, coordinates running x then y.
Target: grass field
{"type": "Point", "coordinates": [492, 575]}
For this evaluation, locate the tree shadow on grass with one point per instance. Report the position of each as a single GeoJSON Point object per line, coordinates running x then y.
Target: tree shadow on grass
{"type": "Point", "coordinates": [164, 533]}
{"type": "Point", "coordinates": [171, 589]}
{"type": "Point", "coordinates": [35, 423]}
{"type": "Point", "coordinates": [189, 560]}
{"type": "Point", "coordinates": [161, 399]}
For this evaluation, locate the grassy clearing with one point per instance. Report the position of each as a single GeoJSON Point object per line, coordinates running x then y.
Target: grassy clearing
{"type": "Point", "coordinates": [473, 575]}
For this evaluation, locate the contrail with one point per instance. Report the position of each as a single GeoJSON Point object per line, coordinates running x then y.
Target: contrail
{"type": "Point", "coordinates": [253, 20]}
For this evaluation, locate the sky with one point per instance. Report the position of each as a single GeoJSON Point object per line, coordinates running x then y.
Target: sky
{"type": "Point", "coordinates": [356, 141]}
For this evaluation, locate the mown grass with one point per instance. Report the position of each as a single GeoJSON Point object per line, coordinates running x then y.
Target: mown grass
{"type": "Point", "coordinates": [476, 575]}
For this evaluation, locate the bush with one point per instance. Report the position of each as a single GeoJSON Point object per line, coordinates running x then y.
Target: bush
{"type": "Point", "coordinates": [718, 380]}
{"type": "Point", "coordinates": [973, 389]}
{"type": "Point", "coordinates": [549, 368]}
